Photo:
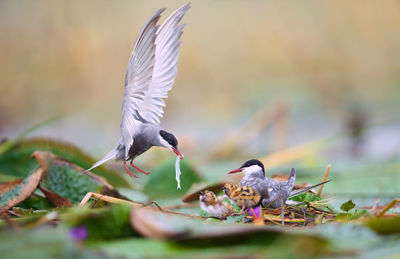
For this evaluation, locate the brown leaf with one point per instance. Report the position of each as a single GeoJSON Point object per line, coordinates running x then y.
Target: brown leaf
{"type": "Point", "coordinates": [7, 186]}
{"type": "Point", "coordinates": [153, 224]}
{"type": "Point", "coordinates": [55, 199]}
{"type": "Point", "coordinates": [27, 189]}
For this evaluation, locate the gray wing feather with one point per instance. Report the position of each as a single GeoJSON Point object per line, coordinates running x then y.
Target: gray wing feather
{"type": "Point", "coordinates": [306, 189]}
{"type": "Point", "coordinates": [165, 66]}
{"type": "Point", "coordinates": [138, 79]}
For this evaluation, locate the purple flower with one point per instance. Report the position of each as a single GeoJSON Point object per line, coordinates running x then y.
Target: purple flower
{"type": "Point", "coordinates": [78, 233]}
{"type": "Point", "coordinates": [256, 211]}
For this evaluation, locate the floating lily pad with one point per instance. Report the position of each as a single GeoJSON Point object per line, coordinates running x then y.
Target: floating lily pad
{"type": "Point", "coordinates": [384, 225]}
{"type": "Point", "coordinates": [21, 191]}
{"type": "Point", "coordinates": [7, 186]}
{"type": "Point", "coordinates": [16, 160]}
{"type": "Point", "coordinates": [68, 180]}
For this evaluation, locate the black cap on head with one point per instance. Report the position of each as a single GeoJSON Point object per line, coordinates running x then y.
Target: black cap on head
{"type": "Point", "coordinates": [169, 138]}
{"type": "Point", "coordinates": [253, 162]}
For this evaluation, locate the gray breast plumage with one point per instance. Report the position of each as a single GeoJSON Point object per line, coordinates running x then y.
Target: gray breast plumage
{"type": "Point", "coordinates": [258, 182]}
{"type": "Point", "coordinates": [146, 137]}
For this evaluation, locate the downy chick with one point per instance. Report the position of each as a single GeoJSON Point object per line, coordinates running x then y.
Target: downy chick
{"type": "Point", "coordinates": [215, 206]}
{"type": "Point", "coordinates": [243, 196]}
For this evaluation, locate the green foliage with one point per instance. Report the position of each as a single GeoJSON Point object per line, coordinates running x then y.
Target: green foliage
{"type": "Point", "coordinates": [347, 206]}
{"type": "Point", "coordinates": [203, 213]}
{"type": "Point", "coordinates": [36, 202]}
{"type": "Point", "coordinates": [68, 183]}
{"type": "Point", "coordinates": [351, 216]}
{"type": "Point", "coordinates": [234, 205]}
{"type": "Point", "coordinates": [29, 212]}
{"type": "Point", "coordinates": [16, 160]}
{"type": "Point", "coordinates": [390, 225]}
{"type": "Point", "coordinates": [306, 197]}
{"type": "Point", "coordinates": [11, 194]}
{"type": "Point", "coordinates": [104, 223]}
{"type": "Point", "coordinates": [42, 243]}
{"type": "Point", "coordinates": [162, 181]}
{"type": "Point", "coordinates": [238, 218]}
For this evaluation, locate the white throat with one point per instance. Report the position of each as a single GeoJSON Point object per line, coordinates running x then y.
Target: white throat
{"type": "Point", "coordinates": [252, 169]}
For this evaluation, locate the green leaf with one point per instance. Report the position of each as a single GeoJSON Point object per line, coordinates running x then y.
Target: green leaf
{"type": "Point", "coordinates": [36, 203]}
{"type": "Point", "coordinates": [234, 205]}
{"type": "Point", "coordinates": [389, 225]}
{"type": "Point", "coordinates": [343, 217]}
{"type": "Point", "coordinates": [103, 223]}
{"type": "Point", "coordinates": [162, 181]}
{"type": "Point", "coordinates": [16, 161]}
{"type": "Point", "coordinates": [347, 206]}
{"type": "Point", "coordinates": [306, 197]}
{"type": "Point", "coordinates": [233, 219]}
{"type": "Point", "coordinates": [69, 180]}
{"type": "Point", "coordinates": [20, 192]}
{"type": "Point", "coordinates": [68, 183]}
{"type": "Point", "coordinates": [11, 194]}
{"type": "Point", "coordinates": [203, 213]}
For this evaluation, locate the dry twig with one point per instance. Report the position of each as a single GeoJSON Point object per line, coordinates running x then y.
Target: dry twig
{"type": "Point", "coordinates": [328, 168]}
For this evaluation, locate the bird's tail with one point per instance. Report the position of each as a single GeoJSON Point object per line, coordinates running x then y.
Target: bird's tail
{"type": "Point", "coordinates": [303, 190]}
{"type": "Point", "coordinates": [112, 154]}
{"type": "Point", "coordinates": [292, 178]}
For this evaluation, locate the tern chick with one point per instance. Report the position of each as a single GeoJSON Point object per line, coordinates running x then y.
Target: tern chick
{"type": "Point", "coordinates": [243, 196]}
{"type": "Point", "coordinates": [150, 75]}
{"type": "Point", "coordinates": [215, 206]}
{"type": "Point", "coordinates": [272, 192]}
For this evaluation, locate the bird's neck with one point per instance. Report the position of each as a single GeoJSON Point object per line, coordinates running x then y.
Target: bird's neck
{"type": "Point", "coordinates": [249, 178]}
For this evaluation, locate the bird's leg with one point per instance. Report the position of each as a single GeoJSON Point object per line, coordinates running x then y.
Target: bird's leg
{"type": "Point", "coordinates": [127, 170]}
{"type": "Point", "coordinates": [138, 169]}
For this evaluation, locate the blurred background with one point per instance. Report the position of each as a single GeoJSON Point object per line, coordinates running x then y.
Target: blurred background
{"type": "Point", "coordinates": [254, 77]}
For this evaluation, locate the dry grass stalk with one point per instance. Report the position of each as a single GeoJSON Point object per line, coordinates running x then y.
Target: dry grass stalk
{"type": "Point", "coordinates": [328, 168]}
{"type": "Point", "coordinates": [388, 207]}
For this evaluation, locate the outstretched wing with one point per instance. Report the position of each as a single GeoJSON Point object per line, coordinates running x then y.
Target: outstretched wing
{"type": "Point", "coordinates": [165, 66]}
{"type": "Point", "coordinates": [138, 79]}
{"type": "Point", "coordinates": [151, 72]}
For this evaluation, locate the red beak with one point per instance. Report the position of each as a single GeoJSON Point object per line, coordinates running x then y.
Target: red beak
{"type": "Point", "coordinates": [236, 171]}
{"type": "Point", "coordinates": [176, 151]}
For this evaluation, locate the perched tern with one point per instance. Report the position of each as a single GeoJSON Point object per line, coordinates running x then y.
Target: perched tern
{"type": "Point", "coordinates": [150, 75]}
{"type": "Point", "coordinates": [272, 192]}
